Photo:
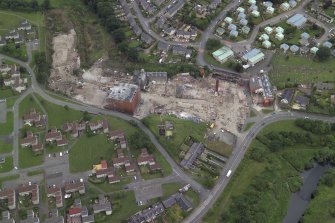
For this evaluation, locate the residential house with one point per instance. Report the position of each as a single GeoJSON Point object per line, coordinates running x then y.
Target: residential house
{"type": "Point", "coordinates": [146, 38]}
{"type": "Point", "coordinates": [33, 118]}
{"type": "Point", "coordinates": [25, 25]}
{"type": "Point", "coordinates": [53, 135]}
{"type": "Point", "coordinates": [163, 46]}
{"type": "Point", "coordinates": [31, 189]}
{"type": "Point", "coordinates": [8, 194]}
{"type": "Point", "coordinates": [29, 140]}
{"type": "Point", "coordinates": [74, 186]}
{"type": "Point", "coordinates": [103, 205]}
{"type": "Point", "coordinates": [100, 125]}
{"type": "Point", "coordinates": [56, 192]}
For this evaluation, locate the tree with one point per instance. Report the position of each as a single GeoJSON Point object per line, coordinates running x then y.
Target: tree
{"type": "Point", "coordinates": [1, 81]}
{"type": "Point", "coordinates": [45, 5]}
{"type": "Point", "coordinates": [86, 116]}
{"type": "Point", "coordinates": [323, 53]}
{"type": "Point", "coordinates": [66, 107]}
{"type": "Point", "coordinates": [213, 44]}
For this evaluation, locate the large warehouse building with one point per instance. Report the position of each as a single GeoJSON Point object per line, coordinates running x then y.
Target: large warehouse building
{"type": "Point", "coordinates": [124, 98]}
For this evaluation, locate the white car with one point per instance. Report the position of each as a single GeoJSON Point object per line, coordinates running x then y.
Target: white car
{"type": "Point", "coordinates": [60, 154]}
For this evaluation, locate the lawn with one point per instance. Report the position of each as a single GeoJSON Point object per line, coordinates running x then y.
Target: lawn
{"type": "Point", "coordinates": [35, 172]}
{"type": "Point", "coordinates": [182, 129]}
{"type": "Point", "coordinates": [248, 126]}
{"type": "Point", "coordinates": [277, 171]}
{"type": "Point", "coordinates": [5, 147]}
{"type": "Point", "coordinates": [7, 128]}
{"type": "Point", "coordinates": [58, 115]}
{"type": "Point", "coordinates": [321, 208]}
{"type": "Point", "coordinates": [6, 93]}
{"type": "Point", "coordinates": [28, 159]}
{"type": "Point", "coordinates": [7, 166]}
{"type": "Point", "coordinates": [170, 188]}
{"type": "Point", "coordinates": [267, 111]}
{"type": "Point", "coordinates": [11, 101]}
{"type": "Point", "coordinates": [8, 178]}
{"type": "Point", "coordinates": [27, 104]}
{"type": "Point", "coordinates": [219, 147]}
{"type": "Point", "coordinates": [298, 69]}
{"type": "Point", "coordinates": [88, 151]}
{"type": "Point", "coordinates": [105, 186]}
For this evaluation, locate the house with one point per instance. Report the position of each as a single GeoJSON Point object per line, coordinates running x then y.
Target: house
{"type": "Point", "coordinates": [113, 179]}
{"type": "Point", "coordinates": [103, 205]}
{"type": "Point", "coordinates": [56, 192]}
{"type": "Point", "coordinates": [285, 6]}
{"type": "Point", "coordinates": [74, 186]}
{"type": "Point", "coordinates": [267, 4]}
{"type": "Point", "coordinates": [25, 25]}
{"type": "Point", "coordinates": [117, 134]}
{"type": "Point", "coordinates": [292, 3]}
{"type": "Point", "coordinates": [121, 161]}
{"type": "Point", "coordinates": [324, 17]}
{"type": "Point", "coordinates": [324, 86]}
{"type": "Point", "coordinates": [130, 169]}
{"type": "Point", "coordinates": [31, 189]}
{"type": "Point", "coordinates": [240, 10]}
{"type": "Point", "coordinates": [241, 16]}
{"type": "Point", "coordinates": [192, 155]}
{"type": "Point", "coordinates": [53, 135]}
{"type": "Point", "coordinates": [37, 148]}
{"type": "Point", "coordinates": [100, 125]}
{"type": "Point", "coordinates": [29, 140]}
{"type": "Point", "coordinates": [233, 33]}
{"type": "Point", "coordinates": [279, 30]}
{"type": "Point", "coordinates": [255, 14]}
{"type": "Point", "coordinates": [314, 50]}
{"type": "Point", "coordinates": [245, 29]}
{"type": "Point", "coordinates": [146, 38]}
{"type": "Point", "coordinates": [269, 10]}
{"type": "Point", "coordinates": [261, 85]}
{"type": "Point", "coordinates": [284, 47]}
{"type": "Point", "coordinates": [253, 8]}
{"type": "Point", "coordinates": [301, 101]}
{"type": "Point", "coordinates": [169, 31]}
{"type": "Point", "coordinates": [103, 173]}
{"type": "Point", "coordinates": [264, 37]}
{"type": "Point", "coordinates": [180, 50]}
{"type": "Point", "coordinates": [137, 30]}
{"type": "Point", "coordinates": [279, 36]}
{"type": "Point", "coordinates": [243, 22]}
{"type": "Point", "coordinates": [304, 35]}
{"type": "Point", "coordinates": [286, 96]}
{"type": "Point", "coordinates": [147, 215]}
{"type": "Point", "coordinates": [6, 218]}
{"type": "Point", "coordinates": [228, 20]}
{"type": "Point", "coordinates": [163, 46]}
{"type": "Point", "coordinates": [294, 48]}
{"type": "Point", "coordinates": [268, 30]}
{"type": "Point", "coordinates": [251, 2]}
{"type": "Point", "coordinates": [184, 204]}
{"type": "Point", "coordinates": [12, 35]}
{"type": "Point", "coordinates": [223, 54]}
{"type": "Point", "coordinates": [32, 118]}
{"type": "Point", "coordinates": [220, 31]}
{"type": "Point", "coordinates": [232, 27]}
{"type": "Point", "coordinates": [327, 44]}
{"type": "Point", "coordinates": [8, 194]}
{"type": "Point", "coordinates": [253, 56]}
{"type": "Point", "coordinates": [175, 7]}
{"type": "Point", "coordinates": [266, 44]}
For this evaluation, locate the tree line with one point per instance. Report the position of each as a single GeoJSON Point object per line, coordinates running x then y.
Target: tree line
{"type": "Point", "coordinates": [24, 5]}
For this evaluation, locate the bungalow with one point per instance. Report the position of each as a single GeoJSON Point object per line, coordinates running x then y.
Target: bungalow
{"type": "Point", "coordinates": [292, 3]}
{"type": "Point", "coordinates": [33, 118]}
{"type": "Point", "coordinates": [240, 10]}
{"type": "Point", "coordinates": [327, 44]}
{"type": "Point", "coordinates": [113, 179]}
{"type": "Point", "coordinates": [314, 50]}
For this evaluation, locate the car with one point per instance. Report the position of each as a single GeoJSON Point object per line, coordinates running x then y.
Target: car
{"type": "Point", "coordinates": [15, 167]}
{"type": "Point", "coordinates": [60, 154]}
{"type": "Point", "coordinates": [49, 155]}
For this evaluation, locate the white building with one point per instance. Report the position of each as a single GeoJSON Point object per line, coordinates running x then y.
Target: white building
{"type": "Point", "coordinates": [269, 10]}
{"type": "Point", "coordinates": [255, 14]}
{"type": "Point", "coordinates": [268, 30]}
{"type": "Point", "coordinates": [266, 44]}
{"type": "Point", "coordinates": [264, 37]}
{"type": "Point", "coordinates": [228, 20]}
{"type": "Point", "coordinates": [279, 36]}
{"type": "Point", "coordinates": [285, 6]}
{"type": "Point", "coordinates": [279, 29]}
{"type": "Point", "coordinates": [314, 50]}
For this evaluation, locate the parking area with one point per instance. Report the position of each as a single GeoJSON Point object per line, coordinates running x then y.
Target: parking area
{"type": "Point", "coordinates": [3, 111]}
{"type": "Point", "coordinates": [144, 194]}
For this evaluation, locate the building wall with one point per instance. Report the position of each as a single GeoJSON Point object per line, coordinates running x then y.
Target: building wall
{"type": "Point", "coordinates": [124, 106]}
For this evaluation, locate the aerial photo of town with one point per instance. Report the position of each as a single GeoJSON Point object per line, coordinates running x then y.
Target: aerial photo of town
{"type": "Point", "coordinates": [167, 111]}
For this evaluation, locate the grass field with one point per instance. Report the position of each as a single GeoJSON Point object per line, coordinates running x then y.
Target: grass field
{"type": "Point", "coordinates": [7, 128]}
{"type": "Point", "coordinates": [278, 168]}
{"type": "Point", "coordinates": [5, 147]}
{"type": "Point", "coordinates": [321, 208]}
{"type": "Point", "coordinates": [58, 115]}
{"type": "Point", "coordinates": [87, 151]}
{"type": "Point", "coordinates": [35, 172]}
{"type": "Point", "coordinates": [6, 93]}
{"type": "Point", "coordinates": [27, 104]}
{"type": "Point", "coordinates": [182, 129]}
{"type": "Point", "coordinates": [299, 69]}
{"type": "Point", "coordinates": [28, 159]}
{"type": "Point", "coordinates": [113, 187]}
{"type": "Point", "coordinates": [219, 147]}
{"type": "Point", "coordinates": [248, 126]}
{"type": "Point", "coordinates": [170, 188]}
{"type": "Point", "coordinates": [7, 166]}
{"type": "Point", "coordinates": [8, 178]}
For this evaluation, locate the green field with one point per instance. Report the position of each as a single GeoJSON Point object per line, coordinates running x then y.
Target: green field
{"type": "Point", "coordinates": [28, 159]}
{"type": "Point", "coordinates": [298, 69]}
{"type": "Point", "coordinates": [7, 166]}
{"type": "Point", "coordinates": [35, 172]}
{"type": "Point", "coordinates": [5, 147]}
{"type": "Point", "coordinates": [182, 129]}
{"type": "Point", "coordinates": [265, 177]}
{"type": "Point", "coordinates": [248, 126]}
{"type": "Point", "coordinates": [7, 128]}
{"type": "Point", "coordinates": [170, 188]}
{"type": "Point", "coordinates": [27, 104]}
{"type": "Point", "coordinates": [87, 151]}
{"type": "Point", "coordinates": [58, 115]}
{"type": "Point", "coordinates": [321, 208]}
{"type": "Point", "coordinates": [6, 93]}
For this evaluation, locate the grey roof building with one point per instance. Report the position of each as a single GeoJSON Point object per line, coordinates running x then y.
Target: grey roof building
{"type": "Point", "coordinates": [163, 46]}
{"type": "Point", "coordinates": [174, 8]}
{"type": "Point", "coordinates": [137, 30]}
{"type": "Point", "coordinates": [146, 38]}
{"type": "Point", "coordinates": [191, 156]}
